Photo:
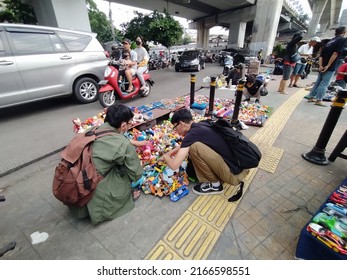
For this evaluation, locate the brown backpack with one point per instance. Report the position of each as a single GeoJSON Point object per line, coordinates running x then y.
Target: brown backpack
{"type": "Point", "coordinates": [75, 178]}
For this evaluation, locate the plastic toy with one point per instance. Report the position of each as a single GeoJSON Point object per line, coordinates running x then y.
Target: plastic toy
{"type": "Point", "coordinates": [179, 193]}
{"type": "Point", "coordinates": [328, 238]}
{"type": "Point", "coordinates": [337, 207]}
{"type": "Point", "coordinates": [332, 223]}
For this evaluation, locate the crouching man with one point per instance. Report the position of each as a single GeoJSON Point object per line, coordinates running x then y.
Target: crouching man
{"type": "Point", "coordinates": [253, 88]}
{"type": "Point", "coordinates": [208, 152]}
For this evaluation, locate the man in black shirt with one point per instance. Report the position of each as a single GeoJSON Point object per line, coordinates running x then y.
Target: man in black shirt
{"type": "Point", "coordinates": [208, 152]}
{"type": "Point", "coordinates": [328, 61]}
{"type": "Point", "coordinates": [253, 87]}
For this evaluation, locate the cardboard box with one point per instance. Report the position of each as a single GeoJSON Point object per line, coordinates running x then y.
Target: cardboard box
{"type": "Point", "coordinates": [254, 67]}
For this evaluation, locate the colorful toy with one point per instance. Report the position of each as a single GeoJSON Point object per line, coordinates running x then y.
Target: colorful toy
{"type": "Point", "coordinates": [179, 193]}
{"type": "Point", "coordinates": [328, 238]}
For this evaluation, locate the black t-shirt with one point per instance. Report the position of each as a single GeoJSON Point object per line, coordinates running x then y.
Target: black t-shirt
{"type": "Point", "coordinates": [202, 132]}
{"type": "Point", "coordinates": [334, 45]}
{"type": "Point", "coordinates": [254, 88]}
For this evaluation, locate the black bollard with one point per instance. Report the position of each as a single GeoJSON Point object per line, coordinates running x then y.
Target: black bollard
{"type": "Point", "coordinates": [340, 147]}
{"type": "Point", "coordinates": [192, 88]}
{"type": "Point", "coordinates": [239, 91]}
{"type": "Point", "coordinates": [317, 154]}
{"type": "Point", "coordinates": [213, 84]}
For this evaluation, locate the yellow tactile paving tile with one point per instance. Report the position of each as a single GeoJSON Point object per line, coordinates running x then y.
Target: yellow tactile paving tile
{"type": "Point", "coordinates": [270, 159]}
{"type": "Point", "coordinates": [193, 236]}
{"type": "Point", "coordinates": [213, 209]}
{"type": "Point", "coordinates": [162, 252]}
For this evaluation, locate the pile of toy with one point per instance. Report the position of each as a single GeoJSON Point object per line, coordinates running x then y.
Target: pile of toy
{"type": "Point", "coordinates": [330, 225]}
{"type": "Point", "coordinates": [157, 179]}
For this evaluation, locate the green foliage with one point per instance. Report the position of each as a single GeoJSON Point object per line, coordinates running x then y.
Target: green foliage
{"type": "Point", "coordinates": [186, 39]}
{"type": "Point", "coordinates": [160, 28]}
{"type": "Point", "coordinates": [17, 12]}
{"type": "Point", "coordinates": [100, 23]}
{"type": "Point", "coordinates": [279, 50]}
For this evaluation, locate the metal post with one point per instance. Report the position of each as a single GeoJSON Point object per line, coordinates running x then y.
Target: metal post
{"type": "Point", "coordinates": [213, 84]}
{"type": "Point", "coordinates": [239, 92]}
{"type": "Point", "coordinates": [317, 154]}
{"type": "Point", "coordinates": [192, 88]}
{"type": "Point", "coordinates": [337, 152]}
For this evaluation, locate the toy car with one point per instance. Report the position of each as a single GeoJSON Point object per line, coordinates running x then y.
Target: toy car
{"type": "Point", "coordinates": [330, 239]}
{"type": "Point", "coordinates": [333, 223]}
{"type": "Point", "coordinates": [337, 207]}
{"type": "Point", "coordinates": [338, 198]}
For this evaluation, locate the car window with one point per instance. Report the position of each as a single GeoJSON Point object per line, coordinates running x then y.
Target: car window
{"type": "Point", "coordinates": [192, 53]}
{"type": "Point", "coordinates": [2, 48]}
{"type": "Point", "coordinates": [26, 43]}
{"type": "Point", "coordinates": [74, 42]}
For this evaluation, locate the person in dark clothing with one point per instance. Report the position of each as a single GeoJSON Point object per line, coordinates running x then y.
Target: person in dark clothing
{"type": "Point", "coordinates": [235, 75]}
{"type": "Point", "coordinates": [328, 61]}
{"type": "Point", "coordinates": [208, 152]}
{"type": "Point", "coordinates": [290, 57]}
{"type": "Point", "coordinates": [252, 88]}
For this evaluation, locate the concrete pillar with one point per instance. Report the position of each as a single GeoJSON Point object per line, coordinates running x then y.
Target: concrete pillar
{"type": "Point", "coordinates": [265, 26]}
{"type": "Point", "coordinates": [237, 34]}
{"type": "Point", "coordinates": [317, 11]}
{"type": "Point", "coordinates": [203, 33]}
{"type": "Point", "coordinates": [61, 13]}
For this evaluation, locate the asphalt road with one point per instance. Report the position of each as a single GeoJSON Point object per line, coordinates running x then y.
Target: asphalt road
{"type": "Point", "coordinates": [32, 131]}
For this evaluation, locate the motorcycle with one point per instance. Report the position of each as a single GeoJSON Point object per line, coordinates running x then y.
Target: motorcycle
{"type": "Point", "coordinates": [111, 89]}
{"type": "Point", "coordinates": [228, 65]}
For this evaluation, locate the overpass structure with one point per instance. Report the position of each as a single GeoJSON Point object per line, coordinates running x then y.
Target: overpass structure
{"type": "Point", "coordinates": [256, 22]}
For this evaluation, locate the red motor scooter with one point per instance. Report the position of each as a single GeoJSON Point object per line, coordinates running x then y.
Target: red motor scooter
{"type": "Point", "coordinates": [111, 89]}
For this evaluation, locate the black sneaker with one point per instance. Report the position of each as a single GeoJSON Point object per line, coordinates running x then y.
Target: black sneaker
{"type": "Point", "coordinates": [247, 99]}
{"type": "Point", "coordinates": [257, 101]}
{"type": "Point", "coordinates": [207, 189]}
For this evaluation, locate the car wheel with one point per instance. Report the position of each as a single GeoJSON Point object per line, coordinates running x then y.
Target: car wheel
{"type": "Point", "coordinates": [86, 90]}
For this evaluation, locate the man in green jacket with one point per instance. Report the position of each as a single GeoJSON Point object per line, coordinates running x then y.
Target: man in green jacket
{"type": "Point", "coordinates": [115, 156]}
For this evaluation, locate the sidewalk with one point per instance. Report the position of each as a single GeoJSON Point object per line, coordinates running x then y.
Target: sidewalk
{"type": "Point", "coordinates": [264, 224]}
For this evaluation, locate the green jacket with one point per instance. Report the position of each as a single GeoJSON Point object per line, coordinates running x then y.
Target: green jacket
{"type": "Point", "coordinates": [113, 196]}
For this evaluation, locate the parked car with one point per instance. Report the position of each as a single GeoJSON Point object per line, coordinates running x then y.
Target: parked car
{"type": "Point", "coordinates": [192, 60]}
{"type": "Point", "coordinates": [38, 62]}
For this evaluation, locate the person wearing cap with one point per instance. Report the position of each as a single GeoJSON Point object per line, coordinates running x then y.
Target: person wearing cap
{"type": "Point", "coordinates": [132, 65]}
{"type": "Point", "coordinates": [328, 59]}
{"type": "Point", "coordinates": [305, 52]}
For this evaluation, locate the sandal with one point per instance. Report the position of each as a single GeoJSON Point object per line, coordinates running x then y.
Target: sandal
{"type": "Point", "coordinates": [320, 103]}
{"type": "Point", "coordinates": [130, 89]}
{"type": "Point", "coordinates": [179, 193]}
{"type": "Point", "coordinates": [136, 193]}
{"type": "Point", "coordinates": [238, 194]}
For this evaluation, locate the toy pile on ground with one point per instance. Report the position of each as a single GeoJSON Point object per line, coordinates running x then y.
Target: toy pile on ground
{"type": "Point", "coordinates": [158, 179]}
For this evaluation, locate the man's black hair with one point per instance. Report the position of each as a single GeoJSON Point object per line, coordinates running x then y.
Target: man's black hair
{"type": "Point", "coordinates": [340, 30]}
{"type": "Point", "coordinates": [183, 115]}
{"type": "Point", "coordinates": [118, 113]}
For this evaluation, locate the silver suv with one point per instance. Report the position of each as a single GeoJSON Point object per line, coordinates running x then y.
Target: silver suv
{"type": "Point", "coordinates": [38, 62]}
